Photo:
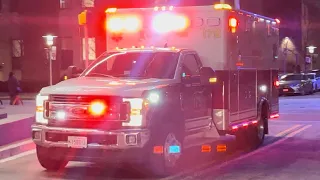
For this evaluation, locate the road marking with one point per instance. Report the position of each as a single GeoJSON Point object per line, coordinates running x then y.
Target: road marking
{"type": "Point", "coordinates": [287, 130]}
{"type": "Point", "coordinates": [299, 131]}
{"type": "Point", "coordinates": [15, 145]}
{"type": "Point", "coordinates": [282, 133]}
{"type": "Point", "coordinates": [17, 156]}
{"type": "Point", "coordinates": [264, 148]}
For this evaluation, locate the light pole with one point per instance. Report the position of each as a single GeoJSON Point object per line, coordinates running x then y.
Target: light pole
{"type": "Point", "coordinates": [50, 41]}
{"type": "Point", "coordinates": [311, 50]}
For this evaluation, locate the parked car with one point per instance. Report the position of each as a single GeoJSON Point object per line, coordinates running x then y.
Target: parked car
{"type": "Point", "coordinates": [295, 83]}
{"type": "Point", "coordinates": [315, 81]}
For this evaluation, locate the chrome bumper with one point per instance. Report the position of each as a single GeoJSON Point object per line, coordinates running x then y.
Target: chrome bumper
{"type": "Point", "coordinates": [39, 137]}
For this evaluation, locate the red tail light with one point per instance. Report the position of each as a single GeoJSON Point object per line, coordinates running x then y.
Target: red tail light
{"type": "Point", "coordinates": [276, 84]}
{"type": "Point", "coordinates": [97, 108]}
{"type": "Point", "coordinates": [274, 116]}
{"type": "Point", "coordinates": [233, 24]}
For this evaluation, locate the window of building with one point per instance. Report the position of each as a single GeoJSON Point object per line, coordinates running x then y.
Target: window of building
{"type": "Point", "coordinates": [190, 65]}
{"type": "Point", "coordinates": [92, 48]}
{"type": "Point", "coordinates": [66, 58]}
{"type": "Point", "coordinates": [65, 4]}
{"type": "Point", "coordinates": [66, 43]}
{"type": "Point", "coordinates": [17, 48]}
{"type": "Point", "coordinates": [87, 3]}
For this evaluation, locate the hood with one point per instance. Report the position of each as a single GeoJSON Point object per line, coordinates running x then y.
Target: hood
{"type": "Point", "coordinates": [106, 86]}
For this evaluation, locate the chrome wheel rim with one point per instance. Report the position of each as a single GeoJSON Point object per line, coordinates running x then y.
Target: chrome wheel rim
{"type": "Point", "coordinates": [172, 150]}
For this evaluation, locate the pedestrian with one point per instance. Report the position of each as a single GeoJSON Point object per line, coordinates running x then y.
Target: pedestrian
{"type": "Point", "coordinates": [14, 89]}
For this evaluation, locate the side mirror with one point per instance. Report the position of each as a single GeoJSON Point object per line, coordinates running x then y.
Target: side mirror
{"type": "Point", "coordinates": [73, 72]}
{"type": "Point", "coordinates": [207, 76]}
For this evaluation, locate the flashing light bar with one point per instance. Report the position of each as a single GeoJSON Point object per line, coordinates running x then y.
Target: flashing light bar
{"type": "Point", "coordinates": [167, 22]}
{"type": "Point", "coordinates": [163, 8]}
{"type": "Point", "coordinates": [151, 47]}
{"type": "Point", "coordinates": [222, 6]}
{"type": "Point", "coordinates": [130, 23]}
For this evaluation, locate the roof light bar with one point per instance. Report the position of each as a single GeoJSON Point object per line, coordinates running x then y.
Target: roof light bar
{"type": "Point", "coordinates": [222, 6]}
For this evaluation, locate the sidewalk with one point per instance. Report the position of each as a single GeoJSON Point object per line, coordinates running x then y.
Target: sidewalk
{"type": "Point", "coordinates": [17, 125]}
{"type": "Point", "coordinates": [23, 96]}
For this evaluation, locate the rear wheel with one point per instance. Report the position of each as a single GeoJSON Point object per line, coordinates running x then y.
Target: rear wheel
{"type": "Point", "coordinates": [253, 136]}
{"type": "Point", "coordinates": [45, 159]}
{"type": "Point", "coordinates": [257, 133]}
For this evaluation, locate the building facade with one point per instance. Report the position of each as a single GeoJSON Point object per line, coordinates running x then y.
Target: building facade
{"type": "Point", "coordinates": [298, 30]}
{"type": "Point", "coordinates": [11, 43]}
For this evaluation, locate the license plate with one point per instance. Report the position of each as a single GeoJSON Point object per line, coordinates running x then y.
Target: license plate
{"type": "Point", "coordinates": [77, 142]}
{"type": "Point", "coordinates": [285, 90]}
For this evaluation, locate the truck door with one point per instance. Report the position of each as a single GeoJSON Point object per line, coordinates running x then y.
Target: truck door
{"type": "Point", "coordinates": [234, 95]}
{"type": "Point", "coordinates": [195, 97]}
{"type": "Point", "coordinates": [247, 94]}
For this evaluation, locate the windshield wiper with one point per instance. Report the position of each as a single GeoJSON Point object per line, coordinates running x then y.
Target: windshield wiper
{"type": "Point", "coordinates": [99, 74]}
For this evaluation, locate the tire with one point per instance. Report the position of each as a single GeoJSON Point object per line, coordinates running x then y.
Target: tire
{"type": "Point", "coordinates": [242, 139]}
{"type": "Point", "coordinates": [253, 136]}
{"type": "Point", "coordinates": [164, 164]}
{"type": "Point", "coordinates": [44, 157]}
{"type": "Point", "coordinates": [257, 132]}
{"type": "Point", "coordinates": [303, 93]}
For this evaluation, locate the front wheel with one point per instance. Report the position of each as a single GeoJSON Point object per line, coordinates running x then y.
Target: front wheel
{"type": "Point", "coordinates": [164, 151]}
{"type": "Point", "coordinates": [45, 159]}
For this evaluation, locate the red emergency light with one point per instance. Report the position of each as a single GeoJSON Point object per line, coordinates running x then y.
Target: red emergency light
{"type": "Point", "coordinates": [120, 24]}
{"type": "Point", "coordinates": [169, 22]}
{"type": "Point", "coordinates": [233, 24]}
{"type": "Point", "coordinates": [97, 108]}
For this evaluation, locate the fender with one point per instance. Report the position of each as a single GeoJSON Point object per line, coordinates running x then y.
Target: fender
{"type": "Point", "coordinates": [167, 110]}
{"type": "Point", "coordinates": [264, 102]}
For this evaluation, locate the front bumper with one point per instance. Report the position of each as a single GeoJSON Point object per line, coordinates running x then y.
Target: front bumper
{"type": "Point", "coordinates": [40, 137]}
{"type": "Point", "coordinates": [99, 142]}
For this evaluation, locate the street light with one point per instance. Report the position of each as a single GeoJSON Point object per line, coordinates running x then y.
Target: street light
{"type": "Point", "coordinates": [311, 49]}
{"type": "Point", "coordinates": [50, 41]}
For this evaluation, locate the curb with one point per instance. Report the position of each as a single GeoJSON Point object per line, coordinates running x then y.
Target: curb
{"type": "Point", "coordinates": [15, 149]}
{"type": "Point", "coordinates": [15, 131]}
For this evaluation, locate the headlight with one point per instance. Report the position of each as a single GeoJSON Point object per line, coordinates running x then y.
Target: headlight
{"type": "Point", "coordinates": [40, 109]}
{"type": "Point", "coordinates": [139, 107]}
{"type": "Point", "coordinates": [136, 114]}
{"type": "Point", "coordinates": [153, 98]}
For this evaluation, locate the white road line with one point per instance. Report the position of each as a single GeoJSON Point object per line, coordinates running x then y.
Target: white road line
{"type": "Point", "coordinates": [251, 153]}
{"type": "Point", "coordinates": [17, 156]}
{"type": "Point", "coordinates": [16, 145]}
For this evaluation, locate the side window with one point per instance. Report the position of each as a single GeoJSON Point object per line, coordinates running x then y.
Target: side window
{"type": "Point", "coordinates": [190, 65]}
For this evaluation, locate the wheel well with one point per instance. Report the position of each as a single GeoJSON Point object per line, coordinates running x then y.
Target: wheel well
{"type": "Point", "coordinates": [264, 116]}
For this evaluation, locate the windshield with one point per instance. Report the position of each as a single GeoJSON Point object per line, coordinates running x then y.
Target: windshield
{"type": "Point", "coordinates": [160, 65]}
{"type": "Point", "coordinates": [293, 77]}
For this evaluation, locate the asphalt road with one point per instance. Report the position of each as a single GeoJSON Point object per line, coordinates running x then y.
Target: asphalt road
{"type": "Point", "coordinates": [290, 151]}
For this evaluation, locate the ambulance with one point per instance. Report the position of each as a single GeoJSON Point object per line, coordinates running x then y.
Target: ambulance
{"type": "Point", "coordinates": [172, 78]}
